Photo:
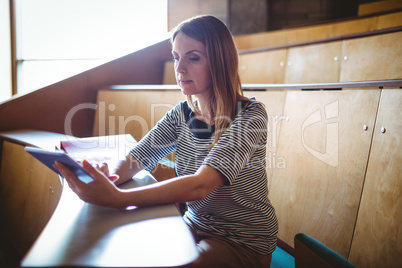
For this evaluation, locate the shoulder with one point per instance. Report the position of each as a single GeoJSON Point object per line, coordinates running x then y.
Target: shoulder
{"type": "Point", "coordinates": [178, 109]}
{"type": "Point", "coordinates": [254, 108]}
{"type": "Point", "coordinates": [253, 116]}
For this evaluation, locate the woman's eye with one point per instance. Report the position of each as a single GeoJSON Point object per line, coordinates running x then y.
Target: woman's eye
{"type": "Point", "coordinates": [175, 59]}
{"type": "Point", "coordinates": [194, 59]}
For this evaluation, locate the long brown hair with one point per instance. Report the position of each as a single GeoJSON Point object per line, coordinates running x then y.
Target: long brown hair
{"type": "Point", "coordinates": [223, 64]}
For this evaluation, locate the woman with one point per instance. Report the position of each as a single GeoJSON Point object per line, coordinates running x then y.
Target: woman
{"type": "Point", "coordinates": [220, 141]}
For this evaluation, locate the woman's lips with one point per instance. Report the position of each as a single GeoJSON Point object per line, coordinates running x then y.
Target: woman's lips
{"type": "Point", "coordinates": [184, 82]}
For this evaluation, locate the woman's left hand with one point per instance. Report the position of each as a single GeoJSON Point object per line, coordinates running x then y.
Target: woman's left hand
{"type": "Point", "coordinates": [101, 191]}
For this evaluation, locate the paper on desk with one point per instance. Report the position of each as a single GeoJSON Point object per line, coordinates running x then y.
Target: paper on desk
{"type": "Point", "coordinates": [99, 149]}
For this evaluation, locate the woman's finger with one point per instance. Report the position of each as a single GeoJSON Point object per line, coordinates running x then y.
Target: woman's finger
{"type": "Point", "coordinates": [90, 169]}
{"type": "Point", "coordinates": [94, 171]}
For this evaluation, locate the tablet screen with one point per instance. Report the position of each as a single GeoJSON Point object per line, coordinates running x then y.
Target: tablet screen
{"type": "Point", "coordinates": [49, 158]}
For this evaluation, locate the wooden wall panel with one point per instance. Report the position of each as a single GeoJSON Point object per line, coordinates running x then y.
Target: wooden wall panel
{"type": "Point", "coordinates": [314, 63]}
{"type": "Point", "coordinates": [325, 148]}
{"type": "Point", "coordinates": [389, 20]}
{"type": "Point", "coordinates": [378, 235]}
{"type": "Point", "coordinates": [180, 10]}
{"type": "Point", "coordinates": [263, 67]}
{"type": "Point", "coordinates": [372, 58]}
{"type": "Point", "coordinates": [353, 27]}
{"type": "Point", "coordinates": [274, 102]}
{"type": "Point", "coordinates": [317, 32]}
{"type": "Point", "coordinates": [326, 30]}
{"type": "Point", "coordinates": [169, 77]}
{"type": "Point", "coordinates": [259, 40]}
{"type": "Point", "coordinates": [132, 112]}
{"type": "Point", "coordinates": [378, 7]}
{"type": "Point", "coordinates": [29, 194]}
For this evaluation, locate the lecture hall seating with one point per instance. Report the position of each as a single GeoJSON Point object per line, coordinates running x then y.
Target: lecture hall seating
{"type": "Point", "coordinates": [317, 158]}
{"type": "Point", "coordinates": [359, 49]}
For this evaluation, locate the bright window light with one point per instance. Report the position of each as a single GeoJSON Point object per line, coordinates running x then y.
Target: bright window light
{"type": "Point", "coordinates": [60, 38]}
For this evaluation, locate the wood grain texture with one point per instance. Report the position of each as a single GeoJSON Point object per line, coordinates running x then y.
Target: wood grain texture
{"type": "Point", "coordinates": [314, 63]}
{"type": "Point", "coordinates": [132, 112]}
{"type": "Point", "coordinates": [317, 32]}
{"type": "Point", "coordinates": [263, 67]}
{"type": "Point", "coordinates": [317, 191]}
{"type": "Point", "coordinates": [389, 20]}
{"type": "Point", "coordinates": [29, 194]}
{"type": "Point", "coordinates": [169, 77]}
{"type": "Point", "coordinates": [378, 7]}
{"type": "Point", "coordinates": [378, 235]}
{"type": "Point", "coordinates": [274, 102]}
{"type": "Point", "coordinates": [372, 58]}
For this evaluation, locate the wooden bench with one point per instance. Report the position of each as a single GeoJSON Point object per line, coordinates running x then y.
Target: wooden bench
{"type": "Point", "coordinates": [375, 57]}
{"type": "Point", "coordinates": [347, 50]}
{"type": "Point", "coordinates": [378, 7]}
{"type": "Point", "coordinates": [298, 35]}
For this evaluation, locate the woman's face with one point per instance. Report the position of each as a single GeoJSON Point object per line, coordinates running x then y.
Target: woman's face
{"type": "Point", "coordinates": [191, 66]}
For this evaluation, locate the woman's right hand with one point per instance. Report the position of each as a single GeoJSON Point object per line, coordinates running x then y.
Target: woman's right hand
{"type": "Point", "coordinates": [101, 191]}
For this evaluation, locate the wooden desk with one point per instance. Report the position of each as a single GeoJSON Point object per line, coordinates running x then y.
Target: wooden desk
{"type": "Point", "coordinates": [80, 234]}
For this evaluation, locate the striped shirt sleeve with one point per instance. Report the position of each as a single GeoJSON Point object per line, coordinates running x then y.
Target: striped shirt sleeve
{"type": "Point", "coordinates": [159, 141]}
{"type": "Point", "coordinates": [237, 145]}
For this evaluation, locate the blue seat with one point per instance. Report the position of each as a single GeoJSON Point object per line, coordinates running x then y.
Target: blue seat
{"type": "Point", "coordinates": [282, 257]}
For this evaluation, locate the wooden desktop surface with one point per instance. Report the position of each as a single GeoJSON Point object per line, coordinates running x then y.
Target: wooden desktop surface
{"type": "Point", "coordinates": [81, 234]}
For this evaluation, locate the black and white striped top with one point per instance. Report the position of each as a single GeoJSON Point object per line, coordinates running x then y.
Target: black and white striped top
{"type": "Point", "coordinates": [240, 209]}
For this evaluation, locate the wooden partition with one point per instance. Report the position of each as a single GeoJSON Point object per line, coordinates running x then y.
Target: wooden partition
{"type": "Point", "coordinates": [325, 148]}
{"type": "Point", "coordinates": [274, 101]}
{"type": "Point", "coordinates": [168, 74]}
{"type": "Point", "coordinates": [333, 160]}
{"type": "Point", "coordinates": [294, 36]}
{"type": "Point", "coordinates": [317, 63]}
{"type": "Point", "coordinates": [29, 193]}
{"type": "Point", "coordinates": [132, 112]}
{"type": "Point", "coordinates": [379, 220]}
{"type": "Point", "coordinates": [378, 7]}
{"type": "Point", "coordinates": [372, 58]}
{"type": "Point", "coordinates": [375, 57]}
{"type": "Point", "coordinates": [319, 146]}
{"type": "Point", "coordinates": [264, 67]}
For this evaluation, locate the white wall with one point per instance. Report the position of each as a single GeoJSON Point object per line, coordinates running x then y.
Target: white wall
{"type": "Point", "coordinates": [5, 51]}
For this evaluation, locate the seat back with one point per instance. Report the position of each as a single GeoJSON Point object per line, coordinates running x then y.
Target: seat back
{"type": "Point", "coordinates": [311, 253]}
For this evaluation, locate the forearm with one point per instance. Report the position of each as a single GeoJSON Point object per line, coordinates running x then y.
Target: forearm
{"type": "Point", "coordinates": [179, 189]}
{"type": "Point", "coordinates": [169, 191]}
{"type": "Point", "coordinates": [103, 192]}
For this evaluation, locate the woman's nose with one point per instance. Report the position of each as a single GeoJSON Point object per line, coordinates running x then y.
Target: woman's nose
{"type": "Point", "coordinates": [180, 66]}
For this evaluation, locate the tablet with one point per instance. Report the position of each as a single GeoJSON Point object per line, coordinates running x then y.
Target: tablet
{"type": "Point", "coordinates": [49, 158]}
